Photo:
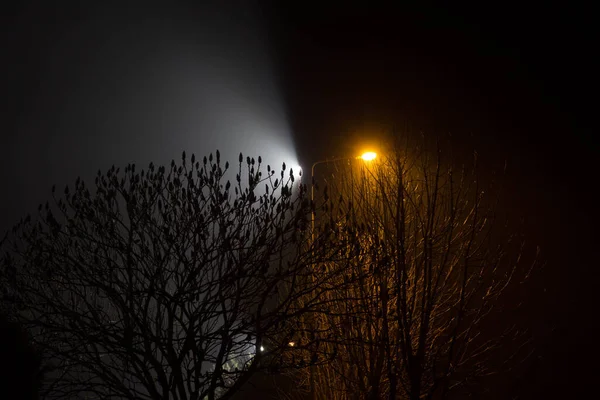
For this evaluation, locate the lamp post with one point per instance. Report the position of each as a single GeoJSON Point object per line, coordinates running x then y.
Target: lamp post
{"type": "Point", "coordinates": [367, 156]}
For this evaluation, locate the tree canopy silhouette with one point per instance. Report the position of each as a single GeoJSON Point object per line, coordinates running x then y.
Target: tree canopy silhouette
{"type": "Point", "coordinates": [426, 265]}
{"type": "Point", "coordinates": [168, 282]}
{"type": "Point", "coordinates": [179, 283]}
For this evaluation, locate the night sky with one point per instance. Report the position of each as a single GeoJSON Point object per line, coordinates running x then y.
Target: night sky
{"type": "Point", "coordinates": [86, 86]}
{"type": "Point", "coordinates": [515, 82]}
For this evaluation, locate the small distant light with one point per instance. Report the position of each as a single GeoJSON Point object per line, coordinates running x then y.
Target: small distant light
{"type": "Point", "coordinates": [262, 348]}
{"type": "Point", "coordinates": [292, 344]}
{"type": "Point", "coordinates": [368, 156]}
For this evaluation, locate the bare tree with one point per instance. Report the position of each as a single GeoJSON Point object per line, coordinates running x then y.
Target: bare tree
{"type": "Point", "coordinates": [424, 271]}
{"type": "Point", "coordinates": [161, 283]}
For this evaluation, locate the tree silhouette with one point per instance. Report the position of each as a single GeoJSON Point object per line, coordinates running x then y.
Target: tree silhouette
{"type": "Point", "coordinates": [161, 283]}
{"type": "Point", "coordinates": [425, 267]}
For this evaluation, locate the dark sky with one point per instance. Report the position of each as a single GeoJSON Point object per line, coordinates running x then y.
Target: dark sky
{"type": "Point", "coordinates": [86, 86]}
{"type": "Point", "coordinates": [517, 83]}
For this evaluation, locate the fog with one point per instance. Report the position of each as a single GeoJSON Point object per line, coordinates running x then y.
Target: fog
{"type": "Point", "coordinates": [105, 85]}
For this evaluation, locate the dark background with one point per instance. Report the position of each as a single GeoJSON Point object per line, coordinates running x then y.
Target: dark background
{"type": "Point", "coordinates": [516, 83]}
{"type": "Point", "coordinates": [87, 86]}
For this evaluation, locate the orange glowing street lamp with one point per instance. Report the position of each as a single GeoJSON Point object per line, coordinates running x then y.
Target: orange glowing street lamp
{"type": "Point", "coordinates": [366, 156]}
{"type": "Point", "coordinates": [369, 155]}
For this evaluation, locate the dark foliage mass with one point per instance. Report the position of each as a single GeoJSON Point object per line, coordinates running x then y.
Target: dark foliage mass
{"type": "Point", "coordinates": [20, 368]}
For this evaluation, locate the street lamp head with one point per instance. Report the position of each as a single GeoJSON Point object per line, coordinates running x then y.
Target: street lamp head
{"type": "Point", "coordinates": [368, 156]}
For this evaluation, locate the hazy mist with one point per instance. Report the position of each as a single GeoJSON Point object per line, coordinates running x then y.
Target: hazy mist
{"type": "Point", "coordinates": [110, 85]}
